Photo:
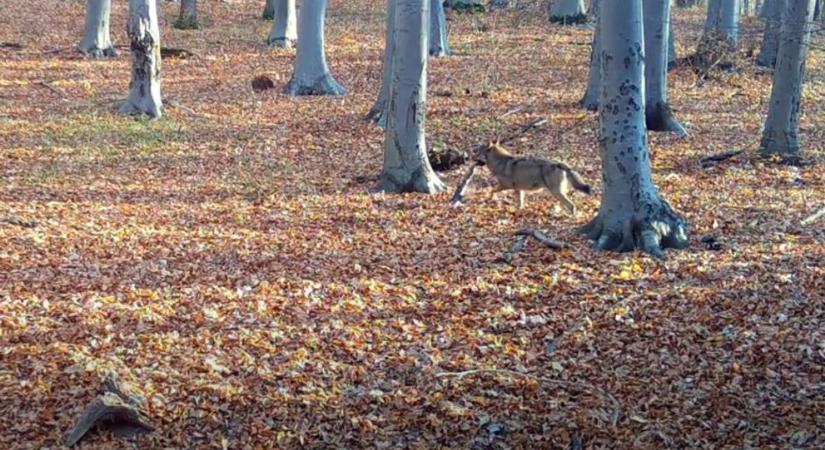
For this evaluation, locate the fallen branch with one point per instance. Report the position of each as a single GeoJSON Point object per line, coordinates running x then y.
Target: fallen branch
{"type": "Point", "coordinates": [709, 161]}
{"type": "Point", "coordinates": [813, 217]}
{"type": "Point", "coordinates": [460, 193]}
{"type": "Point", "coordinates": [48, 86]}
{"type": "Point", "coordinates": [540, 236]}
{"type": "Point", "coordinates": [513, 111]}
{"type": "Point", "coordinates": [115, 409]}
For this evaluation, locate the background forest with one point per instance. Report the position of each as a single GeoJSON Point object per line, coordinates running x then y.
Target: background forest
{"type": "Point", "coordinates": [227, 264]}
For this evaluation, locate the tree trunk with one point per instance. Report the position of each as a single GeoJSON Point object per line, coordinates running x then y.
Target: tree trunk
{"type": "Point", "coordinates": [721, 34]}
{"type": "Point", "coordinates": [658, 114]}
{"type": "Point", "coordinates": [378, 112]}
{"type": "Point", "coordinates": [144, 37]}
{"type": "Point", "coordinates": [406, 166]}
{"type": "Point", "coordinates": [188, 18]}
{"type": "Point", "coordinates": [568, 12]}
{"type": "Point", "coordinates": [96, 41]}
{"type": "Point", "coordinates": [439, 45]}
{"type": "Point", "coordinates": [311, 74]}
{"type": "Point", "coordinates": [591, 95]}
{"type": "Point", "coordinates": [770, 40]}
{"type": "Point", "coordinates": [632, 214]}
{"type": "Point", "coordinates": [269, 10]}
{"type": "Point", "coordinates": [688, 3]}
{"type": "Point", "coordinates": [284, 31]}
{"type": "Point", "coordinates": [781, 133]}
{"type": "Point", "coordinates": [672, 57]}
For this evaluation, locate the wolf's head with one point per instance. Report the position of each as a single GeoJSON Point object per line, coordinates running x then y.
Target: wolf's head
{"type": "Point", "coordinates": [483, 152]}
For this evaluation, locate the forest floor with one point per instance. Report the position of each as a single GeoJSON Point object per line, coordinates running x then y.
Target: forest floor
{"type": "Point", "coordinates": [227, 262]}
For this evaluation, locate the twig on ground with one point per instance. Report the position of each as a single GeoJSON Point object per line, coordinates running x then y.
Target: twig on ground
{"type": "Point", "coordinates": [47, 85]}
{"type": "Point", "coordinates": [709, 161]}
{"type": "Point", "coordinates": [813, 217]}
{"type": "Point", "coordinates": [543, 238]}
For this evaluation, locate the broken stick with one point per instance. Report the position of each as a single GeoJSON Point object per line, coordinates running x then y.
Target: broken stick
{"type": "Point", "coordinates": [543, 238]}
{"type": "Point", "coordinates": [709, 161]}
{"type": "Point", "coordinates": [460, 193]}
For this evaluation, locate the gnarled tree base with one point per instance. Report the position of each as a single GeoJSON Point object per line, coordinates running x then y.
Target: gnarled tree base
{"type": "Point", "coordinates": [280, 42]}
{"type": "Point", "coordinates": [326, 85]}
{"type": "Point", "coordinates": [399, 181]}
{"type": "Point", "coordinates": [659, 117]}
{"type": "Point", "coordinates": [657, 230]}
{"type": "Point", "coordinates": [590, 101]}
{"type": "Point", "coordinates": [99, 53]}
{"type": "Point", "coordinates": [148, 107]}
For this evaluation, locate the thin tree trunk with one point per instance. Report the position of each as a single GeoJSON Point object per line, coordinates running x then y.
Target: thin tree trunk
{"type": "Point", "coordinates": [311, 74]}
{"type": "Point", "coordinates": [591, 95]}
{"type": "Point", "coordinates": [269, 10]}
{"type": "Point", "coordinates": [439, 44]}
{"type": "Point", "coordinates": [284, 31]}
{"type": "Point", "coordinates": [781, 133]}
{"type": "Point", "coordinates": [406, 166]}
{"type": "Point", "coordinates": [632, 213]}
{"type": "Point", "coordinates": [96, 41]}
{"type": "Point", "coordinates": [672, 57]}
{"type": "Point", "coordinates": [688, 3]}
{"type": "Point", "coordinates": [144, 36]}
{"type": "Point", "coordinates": [721, 34]}
{"type": "Point", "coordinates": [378, 111]}
{"type": "Point", "coordinates": [568, 12]}
{"type": "Point", "coordinates": [188, 18]}
{"type": "Point", "coordinates": [658, 114]}
{"type": "Point", "coordinates": [770, 39]}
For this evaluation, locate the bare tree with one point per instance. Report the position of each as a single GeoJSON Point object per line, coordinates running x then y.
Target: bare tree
{"type": "Point", "coordinates": [406, 166]}
{"type": "Point", "coordinates": [188, 17]}
{"type": "Point", "coordinates": [96, 41]}
{"type": "Point", "coordinates": [144, 36]}
{"type": "Point", "coordinates": [591, 95]}
{"type": "Point", "coordinates": [567, 12]}
{"type": "Point", "coordinates": [632, 214]}
{"type": "Point", "coordinates": [781, 133]}
{"type": "Point", "coordinates": [284, 32]}
{"type": "Point", "coordinates": [311, 75]}
{"type": "Point", "coordinates": [770, 39]}
{"type": "Point", "coordinates": [378, 111]}
{"type": "Point", "coordinates": [721, 34]}
{"type": "Point", "coordinates": [269, 10]}
{"type": "Point", "coordinates": [439, 45]}
{"type": "Point", "coordinates": [659, 116]}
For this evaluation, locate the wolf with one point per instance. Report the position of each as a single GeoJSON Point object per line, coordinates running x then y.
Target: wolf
{"type": "Point", "coordinates": [525, 174]}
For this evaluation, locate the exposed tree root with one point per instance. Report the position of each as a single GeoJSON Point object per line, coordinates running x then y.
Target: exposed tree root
{"type": "Point", "coordinates": [659, 117]}
{"type": "Point", "coordinates": [657, 229]}
{"type": "Point", "coordinates": [710, 161]}
{"type": "Point", "coordinates": [326, 85]}
{"type": "Point", "coordinates": [99, 53]}
{"type": "Point", "coordinates": [400, 181]}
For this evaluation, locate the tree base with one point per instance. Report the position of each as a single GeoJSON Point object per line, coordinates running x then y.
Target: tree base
{"type": "Point", "coordinates": [281, 42]}
{"type": "Point", "coordinates": [325, 85]}
{"type": "Point", "coordinates": [150, 108]}
{"type": "Point", "coordinates": [190, 23]}
{"type": "Point", "coordinates": [577, 19]}
{"type": "Point", "coordinates": [659, 117]}
{"type": "Point", "coordinates": [659, 229]}
{"type": "Point", "coordinates": [590, 101]}
{"type": "Point", "coordinates": [99, 53]}
{"type": "Point", "coordinates": [398, 181]}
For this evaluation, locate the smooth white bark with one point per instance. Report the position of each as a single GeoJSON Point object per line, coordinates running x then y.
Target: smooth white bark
{"type": "Point", "coordinates": [632, 214]}
{"type": "Point", "coordinates": [406, 166]}
{"type": "Point", "coordinates": [591, 94]}
{"type": "Point", "coordinates": [144, 36]}
{"type": "Point", "coordinates": [439, 44]}
{"type": "Point", "coordinates": [658, 114]}
{"type": "Point", "coordinates": [311, 75]}
{"type": "Point", "coordinates": [770, 39]}
{"type": "Point", "coordinates": [781, 133]}
{"type": "Point", "coordinates": [378, 111]}
{"type": "Point", "coordinates": [96, 41]}
{"type": "Point", "coordinates": [284, 31]}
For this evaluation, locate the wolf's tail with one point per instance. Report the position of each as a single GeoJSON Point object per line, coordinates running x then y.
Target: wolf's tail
{"type": "Point", "coordinates": [576, 180]}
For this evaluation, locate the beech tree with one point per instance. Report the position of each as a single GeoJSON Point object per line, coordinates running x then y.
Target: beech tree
{"type": "Point", "coordinates": [770, 39]}
{"type": "Point", "coordinates": [284, 32]}
{"type": "Point", "coordinates": [406, 166]}
{"type": "Point", "coordinates": [269, 10]}
{"type": "Point", "coordinates": [721, 24]}
{"type": "Point", "coordinates": [632, 214]}
{"type": "Point", "coordinates": [781, 133]}
{"type": "Point", "coordinates": [188, 17]}
{"type": "Point", "coordinates": [144, 36]}
{"type": "Point", "coordinates": [659, 116]}
{"type": "Point", "coordinates": [439, 45]}
{"type": "Point", "coordinates": [377, 112]}
{"type": "Point", "coordinates": [591, 94]}
{"type": "Point", "coordinates": [311, 75]}
{"type": "Point", "coordinates": [568, 12]}
{"type": "Point", "coordinates": [96, 41]}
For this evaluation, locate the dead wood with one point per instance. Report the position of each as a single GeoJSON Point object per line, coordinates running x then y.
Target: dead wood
{"type": "Point", "coordinates": [709, 161]}
{"type": "Point", "coordinates": [543, 238]}
{"type": "Point", "coordinates": [813, 217]}
{"type": "Point", "coordinates": [515, 249]}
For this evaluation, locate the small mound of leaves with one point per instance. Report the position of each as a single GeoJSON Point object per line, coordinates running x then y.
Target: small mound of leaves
{"type": "Point", "coordinates": [262, 83]}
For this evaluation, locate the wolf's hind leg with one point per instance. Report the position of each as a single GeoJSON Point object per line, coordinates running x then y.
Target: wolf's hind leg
{"type": "Point", "coordinates": [520, 199]}
{"type": "Point", "coordinates": [571, 207]}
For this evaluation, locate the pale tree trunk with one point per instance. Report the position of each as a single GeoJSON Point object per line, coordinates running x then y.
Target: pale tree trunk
{"type": "Point", "coordinates": [439, 45]}
{"type": "Point", "coordinates": [311, 74]}
{"type": "Point", "coordinates": [688, 3]}
{"type": "Point", "coordinates": [781, 133]}
{"type": "Point", "coordinates": [144, 36]}
{"type": "Point", "coordinates": [591, 95]}
{"type": "Point", "coordinates": [188, 18]}
{"type": "Point", "coordinates": [378, 111]}
{"type": "Point", "coordinates": [284, 31]}
{"type": "Point", "coordinates": [672, 58]}
{"type": "Point", "coordinates": [406, 166]}
{"type": "Point", "coordinates": [770, 39]}
{"type": "Point", "coordinates": [269, 10]}
{"type": "Point", "coordinates": [568, 12]}
{"type": "Point", "coordinates": [632, 213]}
{"type": "Point", "coordinates": [96, 40]}
{"type": "Point", "coordinates": [721, 34]}
{"type": "Point", "coordinates": [658, 114]}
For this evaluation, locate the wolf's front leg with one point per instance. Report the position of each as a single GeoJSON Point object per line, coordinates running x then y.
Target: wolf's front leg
{"type": "Point", "coordinates": [520, 195]}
